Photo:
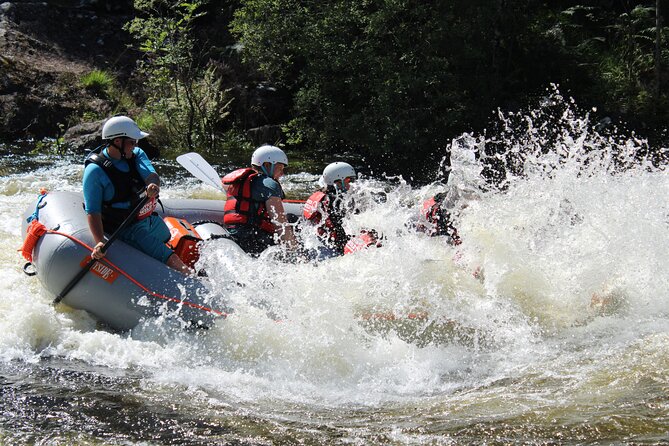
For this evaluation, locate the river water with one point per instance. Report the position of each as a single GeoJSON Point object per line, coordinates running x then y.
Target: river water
{"type": "Point", "coordinates": [562, 339]}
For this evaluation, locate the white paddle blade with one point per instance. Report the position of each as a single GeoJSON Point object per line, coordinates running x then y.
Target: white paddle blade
{"type": "Point", "coordinates": [200, 169]}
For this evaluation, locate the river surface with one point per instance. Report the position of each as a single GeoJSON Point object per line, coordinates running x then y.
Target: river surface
{"type": "Point", "coordinates": [563, 338]}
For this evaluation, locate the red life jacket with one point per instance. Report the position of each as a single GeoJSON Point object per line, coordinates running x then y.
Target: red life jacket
{"type": "Point", "coordinates": [310, 210]}
{"type": "Point", "coordinates": [238, 209]}
{"type": "Point", "coordinates": [430, 212]}
{"type": "Point", "coordinates": [361, 242]}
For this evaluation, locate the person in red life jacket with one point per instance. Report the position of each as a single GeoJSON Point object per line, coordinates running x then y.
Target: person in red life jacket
{"type": "Point", "coordinates": [436, 219]}
{"type": "Point", "coordinates": [254, 214]}
{"type": "Point", "coordinates": [326, 208]}
{"type": "Point", "coordinates": [115, 175]}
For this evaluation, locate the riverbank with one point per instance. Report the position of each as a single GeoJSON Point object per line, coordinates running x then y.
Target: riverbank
{"type": "Point", "coordinates": [46, 49]}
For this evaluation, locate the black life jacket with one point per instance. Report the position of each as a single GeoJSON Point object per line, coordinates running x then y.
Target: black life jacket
{"type": "Point", "coordinates": [435, 212]}
{"type": "Point", "coordinates": [127, 187]}
{"type": "Point", "coordinates": [331, 231]}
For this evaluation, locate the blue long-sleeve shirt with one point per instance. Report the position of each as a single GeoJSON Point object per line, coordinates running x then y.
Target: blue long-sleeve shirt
{"type": "Point", "coordinates": [98, 187]}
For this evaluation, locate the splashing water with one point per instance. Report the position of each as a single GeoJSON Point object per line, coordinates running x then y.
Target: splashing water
{"type": "Point", "coordinates": [562, 336]}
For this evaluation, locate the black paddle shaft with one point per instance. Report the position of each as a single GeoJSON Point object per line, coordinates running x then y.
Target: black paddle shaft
{"type": "Point", "coordinates": [104, 248]}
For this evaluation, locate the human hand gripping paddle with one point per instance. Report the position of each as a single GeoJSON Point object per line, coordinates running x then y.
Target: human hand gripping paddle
{"type": "Point", "coordinates": [104, 249]}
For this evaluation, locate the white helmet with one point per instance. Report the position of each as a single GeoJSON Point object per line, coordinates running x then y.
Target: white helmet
{"type": "Point", "coordinates": [334, 172]}
{"type": "Point", "coordinates": [122, 126]}
{"type": "Point", "coordinates": [268, 154]}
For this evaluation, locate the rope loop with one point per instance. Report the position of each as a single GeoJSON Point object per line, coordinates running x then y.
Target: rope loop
{"type": "Point", "coordinates": [29, 269]}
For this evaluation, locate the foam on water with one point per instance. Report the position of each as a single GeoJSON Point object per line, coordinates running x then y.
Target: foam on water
{"type": "Point", "coordinates": [579, 215]}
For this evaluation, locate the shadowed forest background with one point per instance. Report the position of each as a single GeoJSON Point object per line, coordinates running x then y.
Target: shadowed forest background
{"type": "Point", "coordinates": [383, 83]}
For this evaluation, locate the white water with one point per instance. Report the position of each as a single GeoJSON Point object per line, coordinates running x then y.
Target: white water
{"type": "Point", "coordinates": [520, 354]}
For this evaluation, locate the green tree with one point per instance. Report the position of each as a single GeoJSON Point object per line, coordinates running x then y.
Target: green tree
{"type": "Point", "coordinates": [395, 76]}
{"type": "Point", "coordinates": [623, 49]}
{"type": "Point", "coordinates": [184, 92]}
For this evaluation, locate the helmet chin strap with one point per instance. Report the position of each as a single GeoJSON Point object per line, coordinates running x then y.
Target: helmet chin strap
{"type": "Point", "coordinates": [271, 172]}
{"type": "Point", "coordinates": [111, 143]}
{"type": "Point", "coordinates": [123, 148]}
{"type": "Point", "coordinates": [132, 155]}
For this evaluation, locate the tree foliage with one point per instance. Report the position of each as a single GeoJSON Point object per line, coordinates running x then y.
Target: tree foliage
{"type": "Point", "coordinates": [405, 76]}
{"type": "Point", "coordinates": [392, 79]}
{"type": "Point", "coordinates": [617, 45]}
{"type": "Point", "coordinates": [185, 94]}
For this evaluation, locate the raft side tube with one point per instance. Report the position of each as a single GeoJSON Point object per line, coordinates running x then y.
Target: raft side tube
{"type": "Point", "coordinates": [108, 295]}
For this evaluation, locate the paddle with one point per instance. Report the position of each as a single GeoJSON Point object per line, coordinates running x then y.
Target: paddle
{"type": "Point", "coordinates": [200, 168]}
{"type": "Point", "coordinates": [104, 248]}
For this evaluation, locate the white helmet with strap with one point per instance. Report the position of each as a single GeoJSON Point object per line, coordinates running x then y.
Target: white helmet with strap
{"type": "Point", "coordinates": [268, 154]}
{"type": "Point", "coordinates": [122, 127]}
{"type": "Point", "coordinates": [336, 172]}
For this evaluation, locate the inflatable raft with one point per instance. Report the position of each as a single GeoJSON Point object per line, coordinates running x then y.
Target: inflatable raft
{"type": "Point", "coordinates": [126, 286]}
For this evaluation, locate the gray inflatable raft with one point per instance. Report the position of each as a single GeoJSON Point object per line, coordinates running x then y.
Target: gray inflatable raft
{"type": "Point", "coordinates": [127, 285]}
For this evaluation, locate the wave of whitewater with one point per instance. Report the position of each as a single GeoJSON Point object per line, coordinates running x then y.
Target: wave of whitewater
{"type": "Point", "coordinates": [564, 332]}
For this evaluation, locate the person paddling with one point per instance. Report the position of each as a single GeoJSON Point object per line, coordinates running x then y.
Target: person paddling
{"type": "Point", "coordinates": [254, 213]}
{"type": "Point", "coordinates": [327, 208]}
{"type": "Point", "coordinates": [437, 219]}
{"type": "Point", "coordinates": [115, 175]}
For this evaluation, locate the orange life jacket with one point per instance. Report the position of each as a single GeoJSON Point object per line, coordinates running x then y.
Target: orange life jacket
{"type": "Point", "coordinates": [183, 240]}
{"type": "Point", "coordinates": [239, 206]}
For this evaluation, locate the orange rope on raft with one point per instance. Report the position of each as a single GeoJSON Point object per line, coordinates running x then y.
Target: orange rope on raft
{"type": "Point", "coordinates": [422, 315]}
{"type": "Point", "coordinates": [34, 232]}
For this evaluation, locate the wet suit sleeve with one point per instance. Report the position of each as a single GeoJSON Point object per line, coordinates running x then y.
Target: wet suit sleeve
{"type": "Point", "coordinates": [144, 165]}
{"type": "Point", "coordinates": [265, 189]}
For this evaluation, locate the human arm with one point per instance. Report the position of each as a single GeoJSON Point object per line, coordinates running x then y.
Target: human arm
{"type": "Point", "coordinates": [333, 211]}
{"type": "Point", "coordinates": [277, 213]}
{"type": "Point", "coordinates": [97, 231]}
{"type": "Point", "coordinates": [268, 193]}
{"type": "Point", "coordinates": [148, 173]}
{"type": "Point", "coordinates": [96, 187]}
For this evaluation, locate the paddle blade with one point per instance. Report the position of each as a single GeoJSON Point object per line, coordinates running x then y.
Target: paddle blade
{"type": "Point", "coordinates": [200, 169]}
